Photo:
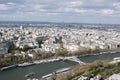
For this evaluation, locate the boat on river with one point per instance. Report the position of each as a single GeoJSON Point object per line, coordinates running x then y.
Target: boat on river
{"type": "Point", "coordinates": [30, 74]}
{"type": "Point", "coordinates": [116, 59]}
{"type": "Point", "coordinates": [8, 67]}
{"type": "Point", "coordinates": [25, 64]}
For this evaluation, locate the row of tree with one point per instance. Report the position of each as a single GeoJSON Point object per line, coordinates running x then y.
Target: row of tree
{"type": "Point", "coordinates": [9, 59]}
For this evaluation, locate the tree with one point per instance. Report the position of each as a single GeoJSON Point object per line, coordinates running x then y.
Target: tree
{"type": "Point", "coordinates": [41, 40]}
{"type": "Point", "coordinates": [61, 52]}
{"type": "Point", "coordinates": [44, 55]}
{"type": "Point", "coordinates": [26, 48]}
{"type": "Point", "coordinates": [1, 34]}
{"type": "Point", "coordinates": [12, 47]}
{"type": "Point", "coordinates": [58, 40]}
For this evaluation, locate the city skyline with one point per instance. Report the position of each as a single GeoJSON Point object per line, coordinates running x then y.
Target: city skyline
{"type": "Point", "coordinates": [80, 11]}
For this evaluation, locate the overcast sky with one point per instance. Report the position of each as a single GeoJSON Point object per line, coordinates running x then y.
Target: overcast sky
{"type": "Point", "coordinates": [83, 11]}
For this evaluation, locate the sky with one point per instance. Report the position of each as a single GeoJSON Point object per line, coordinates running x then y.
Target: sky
{"type": "Point", "coordinates": [79, 11]}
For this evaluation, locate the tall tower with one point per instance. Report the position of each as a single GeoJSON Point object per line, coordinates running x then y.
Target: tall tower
{"type": "Point", "coordinates": [21, 27]}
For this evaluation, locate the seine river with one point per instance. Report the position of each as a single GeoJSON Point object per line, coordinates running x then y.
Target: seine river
{"type": "Point", "coordinates": [43, 69]}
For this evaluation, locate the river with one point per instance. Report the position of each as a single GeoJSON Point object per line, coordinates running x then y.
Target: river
{"type": "Point", "coordinates": [43, 69]}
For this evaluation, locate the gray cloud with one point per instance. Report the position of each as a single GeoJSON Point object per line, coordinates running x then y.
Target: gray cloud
{"type": "Point", "coordinates": [63, 6]}
{"type": "Point", "coordinates": [33, 8]}
{"type": "Point", "coordinates": [13, 1]}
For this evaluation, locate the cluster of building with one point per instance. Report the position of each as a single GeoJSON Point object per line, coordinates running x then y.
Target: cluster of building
{"type": "Point", "coordinates": [91, 77]}
{"type": "Point", "coordinates": [72, 38]}
{"type": "Point", "coordinates": [99, 77]}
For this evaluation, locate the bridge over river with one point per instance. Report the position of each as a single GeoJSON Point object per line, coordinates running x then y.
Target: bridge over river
{"type": "Point", "coordinates": [72, 58]}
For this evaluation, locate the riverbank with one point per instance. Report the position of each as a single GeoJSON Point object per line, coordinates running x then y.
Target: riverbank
{"type": "Point", "coordinates": [99, 53]}
{"type": "Point", "coordinates": [59, 58]}
{"type": "Point", "coordinates": [57, 72]}
{"type": "Point", "coordinates": [103, 68]}
{"type": "Point", "coordinates": [36, 62]}
{"type": "Point", "coordinates": [8, 67]}
{"type": "Point", "coordinates": [54, 59]}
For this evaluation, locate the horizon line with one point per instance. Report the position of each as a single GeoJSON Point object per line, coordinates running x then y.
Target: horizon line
{"type": "Point", "coordinates": [62, 22]}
